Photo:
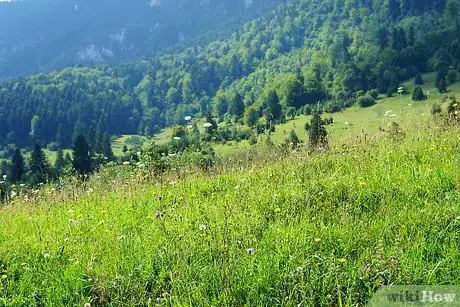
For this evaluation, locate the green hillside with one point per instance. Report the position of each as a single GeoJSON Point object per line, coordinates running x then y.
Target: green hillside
{"type": "Point", "coordinates": [321, 229]}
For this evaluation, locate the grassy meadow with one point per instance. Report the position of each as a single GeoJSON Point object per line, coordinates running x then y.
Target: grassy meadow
{"type": "Point", "coordinates": [282, 229]}
{"type": "Point", "coordinates": [266, 228]}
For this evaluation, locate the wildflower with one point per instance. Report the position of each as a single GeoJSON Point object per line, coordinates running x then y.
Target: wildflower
{"type": "Point", "coordinates": [251, 251]}
{"type": "Point", "coordinates": [126, 163]}
{"type": "Point", "coordinates": [203, 227]}
{"type": "Point", "coordinates": [317, 240]}
{"type": "Point", "coordinates": [342, 260]}
{"type": "Point", "coordinates": [4, 276]}
{"type": "Point", "coordinates": [4, 177]}
{"type": "Point", "coordinates": [22, 185]}
{"type": "Point", "coordinates": [299, 269]}
{"type": "Point", "coordinates": [87, 305]}
{"type": "Point", "coordinates": [387, 113]}
{"type": "Point", "coordinates": [207, 125]}
{"type": "Point", "coordinates": [66, 240]}
{"type": "Point", "coordinates": [46, 255]}
{"type": "Point", "coordinates": [176, 138]}
{"type": "Point", "coordinates": [363, 184]}
{"type": "Point", "coordinates": [158, 214]}
{"type": "Point", "coordinates": [347, 123]}
{"type": "Point", "coordinates": [237, 187]}
{"type": "Point", "coordinates": [187, 118]}
{"type": "Point", "coordinates": [277, 210]}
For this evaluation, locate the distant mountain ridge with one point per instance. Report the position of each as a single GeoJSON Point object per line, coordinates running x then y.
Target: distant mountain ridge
{"type": "Point", "coordinates": [42, 35]}
{"type": "Point", "coordinates": [300, 55]}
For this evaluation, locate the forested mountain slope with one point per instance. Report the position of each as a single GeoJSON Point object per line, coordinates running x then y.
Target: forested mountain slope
{"type": "Point", "coordinates": [39, 35]}
{"type": "Point", "coordinates": [302, 53]}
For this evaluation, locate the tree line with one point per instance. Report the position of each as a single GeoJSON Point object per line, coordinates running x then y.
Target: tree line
{"type": "Point", "coordinates": [336, 53]}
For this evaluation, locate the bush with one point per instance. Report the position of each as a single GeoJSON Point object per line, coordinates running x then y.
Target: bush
{"type": "Point", "coordinates": [307, 110]}
{"type": "Point", "coordinates": [366, 101]}
{"type": "Point", "coordinates": [373, 93]}
{"type": "Point", "coordinates": [418, 94]}
{"type": "Point", "coordinates": [436, 109]}
{"type": "Point", "coordinates": [360, 93]}
{"type": "Point", "coordinates": [253, 139]}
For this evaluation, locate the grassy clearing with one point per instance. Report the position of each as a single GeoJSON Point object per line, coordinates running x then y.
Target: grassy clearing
{"type": "Point", "coordinates": [313, 229]}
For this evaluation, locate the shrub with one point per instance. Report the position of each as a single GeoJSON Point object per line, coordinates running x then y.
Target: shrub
{"type": "Point", "coordinates": [373, 93]}
{"type": "Point", "coordinates": [366, 101]}
{"type": "Point", "coordinates": [436, 109]}
{"type": "Point", "coordinates": [418, 94]}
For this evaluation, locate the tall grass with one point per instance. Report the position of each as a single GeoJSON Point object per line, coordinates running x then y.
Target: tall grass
{"type": "Point", "coordinates": [309, 229]}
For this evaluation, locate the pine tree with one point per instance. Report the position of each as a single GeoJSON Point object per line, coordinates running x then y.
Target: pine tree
{"type": "Point", "coordinates": [39, 167]}
{"type": "Point", "coordinates": [316, 131]}
{"type": "Point", "coordinates": [17, 166]}
{"type": "Point", "coordinates": [418, 94]}
{"type": "Point", "coordinates": [81, 156]}
{"type": "Point", "coordinates": [59, 163]}
{"type": "Point", "coordinates": [272, 111]}
{"type": "Point", "coordinates": [107, 146]}
{"type": "Point", "coordinates": [293, 138]}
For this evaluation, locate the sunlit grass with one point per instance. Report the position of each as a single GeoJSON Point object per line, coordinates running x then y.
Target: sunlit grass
{"type": "Point", "coordinates": [313, 229]}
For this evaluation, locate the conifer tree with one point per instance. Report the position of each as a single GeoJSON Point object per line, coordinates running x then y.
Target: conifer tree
{"type": "Point", "coordinates": [39, 167]}
{"type": "Point", "coordinates": [107, 146]}
{"type": "Point", "coordinates": [317, 132]}
{"type": "Point", "coordinates": [59, 164]}
{"type": "Point", "coordinates": [17, 166]}
{"type": "Point", "coordinates": [81, 156]}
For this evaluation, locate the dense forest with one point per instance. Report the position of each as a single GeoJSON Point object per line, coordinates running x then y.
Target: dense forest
{"type": "Point", "coordinates": [40, 35]}
{"type": "Point", "coordinates": [303, 53]}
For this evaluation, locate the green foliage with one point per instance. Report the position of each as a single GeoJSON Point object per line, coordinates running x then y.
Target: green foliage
{"type": "Point", "coordinates": [236, 106]}
{"type": "Point", "coordinates": [366, 101]}
{"type": "Point", "coordinates": [369, 45]}
{"type": "Point", "coordinates": [436, 109]}
{"type": "Point", "coordinates": [39, 170]}
{"type": "Point", "coordinates": [251, 116]}
{"type": "Point", "coordinates": [271, 105]}
{"type": "Point", "coordinates": [81, 162]}
{"type": "Point", "coordinates": [293, 138]}
{"type": "Point", "coordinates": [17, 166]}
{"type": "Point", "coordinates": [418, 94]}
{"type": "Point", "coordinates": [317, 132]}
{"type": "Point", "coordinates": [273, 229]}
